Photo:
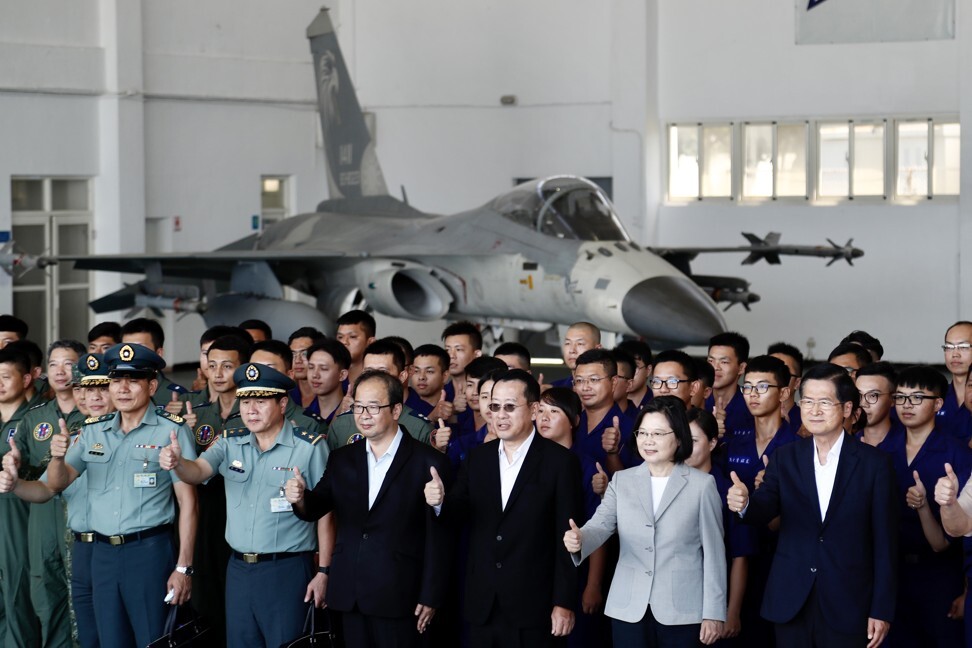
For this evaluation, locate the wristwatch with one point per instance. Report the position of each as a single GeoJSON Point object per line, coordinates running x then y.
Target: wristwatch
{"type": "Point", "coordinates": [324, 570]}
{"type": "Point", "coordinates": [185, 569]}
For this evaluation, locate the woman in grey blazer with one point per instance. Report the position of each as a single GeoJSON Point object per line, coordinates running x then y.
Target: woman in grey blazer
{"type": "Point", "coordinates": [669, 588]}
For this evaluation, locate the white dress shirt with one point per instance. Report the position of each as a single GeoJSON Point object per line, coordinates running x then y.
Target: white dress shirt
{"type": "Point", "coordinates": [378, 466]}
{"type": "Point", "coordinates": [658, 485]}
{"type": "Point", "coordinates": [826, 474]}
{"type": "Point", "coordinates": [510, 469]}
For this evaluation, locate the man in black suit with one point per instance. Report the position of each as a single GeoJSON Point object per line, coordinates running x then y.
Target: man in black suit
{"type": "Point", "coordinates": [833, 579]}
{"type": "Point", "coordinates": [391, 552]}
{"type": "Point", "coordinates": [517, 494]}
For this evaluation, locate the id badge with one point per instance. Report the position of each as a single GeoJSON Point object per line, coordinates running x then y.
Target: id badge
{"type": "Point", "coordinates": [280, 505]}
{"type": "Point", "coordinates": [144, 480]}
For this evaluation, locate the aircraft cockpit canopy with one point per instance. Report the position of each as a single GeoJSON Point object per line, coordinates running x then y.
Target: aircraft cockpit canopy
{"type": "Point", "coordinates": [567, 207]}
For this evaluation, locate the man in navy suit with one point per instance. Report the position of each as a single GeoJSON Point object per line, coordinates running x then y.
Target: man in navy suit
{"type": "Point", "coordinates": [833, 580]}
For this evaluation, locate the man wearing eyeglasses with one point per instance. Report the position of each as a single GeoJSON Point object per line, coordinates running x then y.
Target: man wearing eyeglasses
{"type": "Point", "coordinates": [603, 429]}
{"type": "Point", "coordinates": [832, 582]}
{"type": "Point", "coordinates": [954, 419]}
{"type": "Point", "coordinates": [389, 570]}
{"type": "Point", "coordinates": [930, 572]}
{"type": "Point", "coordinates": [675, 374]}
{"type": "Point", "coordinates": [877, 383]}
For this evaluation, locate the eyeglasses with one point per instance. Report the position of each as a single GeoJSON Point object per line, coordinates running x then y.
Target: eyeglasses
{"type": "Point", "coordinates": [357, 408]}
{"type": "Point", "coordinates": [872, 396]}
{"type": "Point", "coordinates": [849, 370]}
{"type": "Point", "coordinates": [914, 399]}
{"type": "Point", "coordinates": [593, 381]}
{"type": "Point", "coordinates": [625, 377]}
{"type": "Point", "coordinates": [653, 435]}
{"type": "Point", "coordinates": [509, 408]}
{"type": "Point", "coordinates": [301, 354]}
{"type": "Point", "coordinates": [961, 347]}
{"type": "Point", "coordinates": [824, 404]}
{"type": "Point", "coordinates": [759, 388]}
{"type": "Point", "coordinates": [671, 383]}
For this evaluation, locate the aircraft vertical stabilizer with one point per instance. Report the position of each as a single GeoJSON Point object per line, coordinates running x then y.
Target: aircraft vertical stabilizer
{"type": "Point", "coordinates": [352, 165]}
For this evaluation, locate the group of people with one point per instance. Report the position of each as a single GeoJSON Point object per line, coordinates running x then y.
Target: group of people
{"type": "Point", "coordinates": [439, 496]}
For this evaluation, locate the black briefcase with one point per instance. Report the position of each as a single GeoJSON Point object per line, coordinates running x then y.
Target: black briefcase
{"type": "Point", "coordinates": [183, 629]}
{"type": "Point", "coordinates": [314, 637]}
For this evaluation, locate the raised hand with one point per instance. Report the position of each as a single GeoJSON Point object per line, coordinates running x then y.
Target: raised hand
{"type": "Point", "coordinates": [738, 496]}
{"type": "Point", "coordinates": [947, 488]}
{"type": "Point", "coordinates": [171, 455]}
{"type": "Point", "coordinates": [191, 419]}
{"type": "Point", "coordinates": [915, 497]}
{"type": "Point", "coordinates": [443, 409]}
{"type": "Point", "coordinates": [611, 437]}
{"type": "Point", "coordinates": [200, 383]}
{"type": "Point", "coordinates": [441, 436]}
{"type": "Point", "coordinates": [61, 441]}
{"type": "Point", "coordinates": [762, 473]}
{"type": "Point", "coordinates": [573, 537]}
{"type": "Point", "coordinates": [11, 460]}
{"type": "Point", "coordinates": [459, 401]}
{"type": "Point", "coordinates": [719, 412]}
{"type": "Point", "coordinates": [174, 406]}
{"type": "Point", "coordinates": [434, 489]}
{"type": "Point", "coordinates": [599, 482]}
{"type": "Point", "coordinates": [295, 487]}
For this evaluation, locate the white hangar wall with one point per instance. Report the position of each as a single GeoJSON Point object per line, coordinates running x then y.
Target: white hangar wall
{"type": "Point", "coordinates": [176, 109]}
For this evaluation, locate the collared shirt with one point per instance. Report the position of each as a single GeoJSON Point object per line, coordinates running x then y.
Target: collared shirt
{"type": "Point", "coordinates": [826, 474]}
{"type": "Point", "coordinates": [378, 466]}
{"type": "Point", "coordinates": [509, 470]}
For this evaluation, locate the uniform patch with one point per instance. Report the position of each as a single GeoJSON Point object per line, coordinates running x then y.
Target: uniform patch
{"type": "Point", "coordinates": [92, 363]}
{"type": "Point", "coordinates": [354, 438]}
{"type": "Point", "coordinates": [126, 353]}
{"type": "Point", "coordinates": [43, 431]}
{"type": "Point", "coordinates": [252, 373]}
{"type": "Point", "coordinates": [205, 435]}
{"type": "Point", "coordinates": [10, 433]}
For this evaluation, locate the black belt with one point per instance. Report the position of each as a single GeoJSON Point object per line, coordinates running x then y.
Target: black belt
{"type": "Point", "coordinates": [121, 539]}
{"type": "Point", "coordinates": [88, 536]}
{"type": "Point", "coordinates": [253, 558]}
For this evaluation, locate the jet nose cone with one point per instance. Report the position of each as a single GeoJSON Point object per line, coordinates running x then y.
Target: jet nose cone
{"type": "Point", "coordinates": [671, 309]}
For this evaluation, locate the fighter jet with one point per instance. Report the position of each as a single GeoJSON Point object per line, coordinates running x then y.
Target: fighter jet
{"type": "Point", "coordinates": [549, 251]}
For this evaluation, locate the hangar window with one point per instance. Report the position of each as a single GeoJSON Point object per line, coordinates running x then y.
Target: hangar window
{"type": "Point", "coordinates": [851, 159]}
{"type": "Point", "coordinates": [774, 160]}
{"type": "Point", "coordinates": [927, 158]}
{"type": "Point", "coordinates": [700, 161]}
{"type": "Point", "coordinates": [274, 199]}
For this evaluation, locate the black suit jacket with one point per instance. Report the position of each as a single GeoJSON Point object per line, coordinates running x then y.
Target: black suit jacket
{"type": "Point", "coordinates": [394, 556]}
{"type": "Point", "coordinates": [517, 558]}
{"type": "Point", "coordinates": [851, 556]}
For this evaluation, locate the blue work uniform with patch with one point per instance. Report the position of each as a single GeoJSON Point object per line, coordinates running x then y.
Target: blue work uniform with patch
{"type": "Point", "coordinates": [953, 419]}
{"type": "Point", "coordinates": [891, 440]}
{"type": "Point", "coordinates": [416, 404]}
{"type": "Point", "coordinates": [587, 442]}
{"type": "Point", "coordinates": [272, 548]}
{"type": "Point", "coordinates": [567, 382]}
{"type": "Point", "coordinates": [742, 455]}
{"type": "Point", "coordinates": [928, 581]}
{"type": "Point", "coordinates": [738, 417]}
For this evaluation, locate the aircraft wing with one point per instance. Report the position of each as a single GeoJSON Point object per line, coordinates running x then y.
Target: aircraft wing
{"type": "Point", "coordinates": [768, 249]}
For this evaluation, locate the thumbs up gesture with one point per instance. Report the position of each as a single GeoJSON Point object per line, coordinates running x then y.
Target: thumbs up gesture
{"type": "Point", "coordinates": [171, 455]}
{"type": "Point", "coordinates": [434, 489]}
{"type": "Point", "coordinates": [191, 419]}
{"type": "Point", "coordinates": [759, 476]}
{"type": "Point", "coordinates": [11, 460]}
{"type": "Point", "coordinates": [573, 538]}
{"type": "Point", "coordinates": [295, 487]}
{"type": "Point", "coordinates": [443, 409]}
{"type": "Point", "coordinates": [174, 406]}
{"type": "Point", "coordinates": [738, 496]}
{"type": "Point", "coordinates": [599, 481]}
{"type": "Point", "coordinates": [459, 401]}
{"type": "Point", "coordinates": [915, 497]}
{"type": "Point", "coordinates": [947, 488]}
{"type": "Point", "coordinates": [611, 437]}
{"type": "Point", "coordinates": [61, 441]}
{"type": "Point", "coordinates": [719, 412]}
{"type": "Point", "coordinates": [441, 436]}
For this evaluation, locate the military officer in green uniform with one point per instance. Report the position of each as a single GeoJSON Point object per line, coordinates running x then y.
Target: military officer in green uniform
{"type": "Point", "coordinates": [47, 525]}
{"type": "Point", "coordinates": [18, 625]}
{"type": "Point", "coordinates": [270, 576]}
{"type": "Point", "coordinates": [278, 355]}
{"type": "Point", "coordinates": [132, 502]}
{"type": "Point", "coordinates": [149, 334]}
{"type": "Point", "coordinates": [386, 357]}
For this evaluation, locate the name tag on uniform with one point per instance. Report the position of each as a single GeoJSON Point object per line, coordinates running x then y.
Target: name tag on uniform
{"type": "Point", "coordinates": [280, 505]}
{"type": "Point", "coordinates": [144, 480]}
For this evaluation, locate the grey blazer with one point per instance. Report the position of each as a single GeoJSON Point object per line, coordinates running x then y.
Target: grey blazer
{"type": "Point", "coordinates": [673, 559]}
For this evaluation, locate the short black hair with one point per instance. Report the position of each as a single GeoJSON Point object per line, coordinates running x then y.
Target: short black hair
{"type": "Point", "coordinates": [682, 359]}
{"type": "Point", "coordinates": [863, 357]}
{"type": "Point", "coordinates": [514, 349]}
{"type": "Point", "coordinates": [105, 329]}
{"type": "Point", "coordinates": [790, 351]}
{"type": "Point", "coordinates": [16, 357]}
{"type": "Point", "coordinates": [706, 372]}
{"type": "Point", "coordinates": [490, 375]}
{"type": "Point", "coordinates": [565, 399]}
{"type": "Point", "coordinates": [338, 352]}
{"type": "Point", "coordinates": [277, 348]}
{"type": "Point", "coordinates": [145, 325]}
{"type": "Point", "coordinates": [257, 325]}
{"type": "Point", "coordinates": [736, 341]}
{"type": "Point", "coordinates": [396, 393]}
{"type": "Point", "coordinates": [305, 332]}
{"type": "Point", "coordinates": [637, 349]}
{"type": "Point", "coordinates": [405, 346]}
{"type": "Point", "coordinates": [705, 420]}
{"type": "Point", "coordinates": [883, 369]}
{"type": "Point", "coordinates": [434, 351]}
{"type": "Point", "coordinates": [622, 358]}
{"type": "Point", "coordinates": [232, 342]}
{"type": "Point", "coordinates": [846, 389]}
{"type": "Point", "coordinates": [674, 410]}
{"type": "Point", "coordinates": [14, 325]}
{"type": "Point", "coordinates": [483, 365]}
{"type": "Point", "coordinates": [602, 357]}
{"type": "Point", "coordinates": [72, 345]}
{"type": "Point", "coordinates": [923, 377]}
{"type": "Point", "coordinates": [769, 364]}
{"type": "Point", "coordinates": [384, 347]}
{"type": "Point", "coordinates": [218, 331]}
{"type": "Point", "coordinates": [362, 318]}
{"type": "Point", "coordinates": [30, 350]}
{"type": "Point", "coordinates": [468, 329]}
{"type": "Point", "coordinates": [531, 388]}
{"type": "Point", "coordinates": [866, 340]}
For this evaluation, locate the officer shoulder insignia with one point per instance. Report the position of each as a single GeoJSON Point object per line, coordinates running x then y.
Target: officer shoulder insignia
{"type": "Point", "coordinates": [419, 416]}
{"type": "Point", "coordinates": [175, 418]}
{"type": "Point", "coordinates": [234, 433]}
{"type": "Point", "coordinates": [304, 435]}
{"type": "Point", "coordinates": [99, 419]}
{"type": "Point", "coordinates": [314, 416]}
{"type": "Point", "coordinates": [43, 431]}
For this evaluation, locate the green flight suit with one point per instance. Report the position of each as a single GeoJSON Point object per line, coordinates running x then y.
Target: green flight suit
{"type": "Point", "coordinates": [343, 430]}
